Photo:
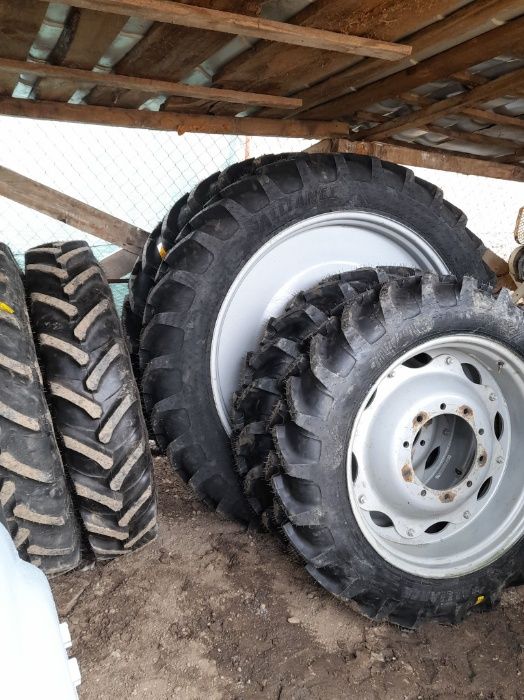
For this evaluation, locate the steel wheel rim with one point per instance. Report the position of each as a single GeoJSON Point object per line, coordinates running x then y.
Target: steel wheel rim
{"type": "Point", "coordinates": [297, 258]}
{"type": "Point", "coordinates": [484, 506]}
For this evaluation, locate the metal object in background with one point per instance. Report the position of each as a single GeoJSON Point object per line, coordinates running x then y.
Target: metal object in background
{"type": "Point", "coordinates": [519, 226]}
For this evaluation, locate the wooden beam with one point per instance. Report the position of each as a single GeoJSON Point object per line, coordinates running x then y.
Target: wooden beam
{"type": "Point", "coordinates": [244, 25]}
{"type": "Point", "coordinates": [490, 117]}
{"type": "Point", "coordinates": [171, 121]}
{"type": "Point", "coordinates": [500, 86]}
{"type": "Point", "coordinates": [421, 157]}
{"type": "Point", "coordinates": [71, 211]}
{"type": "Point", "coordinates": [374, 82]}
{"type": "Point", "coordinates": [477, 137]}
{"type": "Point", "coordinates": [156, 87]}
{"type": "Point", "coordinates": [118, 264]}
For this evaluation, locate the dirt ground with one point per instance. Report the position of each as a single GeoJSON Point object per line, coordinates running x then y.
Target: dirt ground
{"type": "Point", "coordinates": [212, 611]}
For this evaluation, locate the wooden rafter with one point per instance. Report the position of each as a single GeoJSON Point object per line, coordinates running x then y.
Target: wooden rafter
{"type": "Point", "coordinates": [490, 117]}
{"type": "Point", "coordinates": [476, 137]}
{"type": "Point", "coordinates": [373, 88]}
{"type": "Point", "coordinates": [70, 211]}
{"type": "Point", "coordinates": [244, 25]}
{"type": "Point", "coordinates": [156, 87]}
{"type": "Point", "coordinates": [500, 86]}
{"type": "Point", "coordinates": [171, 121]}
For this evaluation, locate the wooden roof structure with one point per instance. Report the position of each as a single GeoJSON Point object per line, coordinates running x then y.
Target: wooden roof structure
{"type": "Point", "coordinates": [425, 82]}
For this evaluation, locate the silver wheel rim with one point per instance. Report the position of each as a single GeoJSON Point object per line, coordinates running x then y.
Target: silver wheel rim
{"type": "Point", "coordinates": [295, 259]}
{"type": "Point", "coordinates": [439, 440]}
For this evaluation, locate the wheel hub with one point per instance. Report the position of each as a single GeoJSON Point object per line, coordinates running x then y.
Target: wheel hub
{"type": "Point", "coordinates": [429, 457]}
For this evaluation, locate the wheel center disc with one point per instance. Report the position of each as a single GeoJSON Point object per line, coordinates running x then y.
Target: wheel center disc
{"type": "Point", "coordinates": [431, 472]}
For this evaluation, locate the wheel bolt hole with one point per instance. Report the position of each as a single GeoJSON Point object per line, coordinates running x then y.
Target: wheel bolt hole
{"type": "Point", "coordinates": [420, 418]}
{"type": "Point", "coordinates": [423, 492]}
{"type": "Point", "coordinates": [481, 431]}
{"type": "Point", "coordinates": [466, 411]}
{"type": "Point", "coordinates": [422, 442]}
{"type": "Point", "coordinates": [469, 483]}
{"type": "Point", "coordinates": [482, 458]}
{"type": "Point", "coordinates": [405, 443]}
{"type": "Point", "coordinates": [442, 406]}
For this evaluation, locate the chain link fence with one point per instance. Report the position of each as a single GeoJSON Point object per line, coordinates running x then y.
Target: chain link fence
{"type": "Point", "coordinates": [137, 175]}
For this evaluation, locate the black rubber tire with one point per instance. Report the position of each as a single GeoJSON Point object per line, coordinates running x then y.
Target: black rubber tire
{"type": "Point", "coordinates": [259, 404]}
{"type": "Point", "coordinates": [323, 401]}
{"type": "Point", "coordinates": [196, 275]}
{"type": "Point", "coordinates": [96, 406]}
{"type": "Point", "coordinates": [34, 494]}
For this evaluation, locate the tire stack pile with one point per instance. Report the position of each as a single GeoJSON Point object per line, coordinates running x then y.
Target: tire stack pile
{"type": "Point", "coordinates": [76, 479]}
{"type": "Point", "coordinates": [320, 355]}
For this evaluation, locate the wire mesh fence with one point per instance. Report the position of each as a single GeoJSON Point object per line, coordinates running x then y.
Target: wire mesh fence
{"type": "Point", "coordinates": [137, 175]}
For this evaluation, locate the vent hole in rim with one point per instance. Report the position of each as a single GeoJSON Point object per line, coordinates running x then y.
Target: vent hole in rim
{"type": "Point", "coordinates": [420, 360]}
{"type": "Point", "coordinates": [371, 399]}
{"type": "Point", "coordinates": [354, 467]}
{"type": "Point", "coordinates": [484, 489]}
{"type": "Point", "coordinates": [498, 425]}
{"type": "Point", "coordinates": [471, 373]}
{"type": "Point", "coordinates": [437, 527]}
{"type": "Point", "coordinates": [380, 519]}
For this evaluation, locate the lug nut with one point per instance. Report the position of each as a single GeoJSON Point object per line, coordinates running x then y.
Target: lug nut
{"type": "Point", "coordinates": [500, 459]}
{"type": "Point", "coordinates": [492, 397]}
{"type": "Point", "coordinates": [467, 515]}
{"type": "Point", "coordinates": [410, 532]}
{"type": "Point", "coordinates": [361, 499]}
{"type": "Point", "coordinates": [449, 360]}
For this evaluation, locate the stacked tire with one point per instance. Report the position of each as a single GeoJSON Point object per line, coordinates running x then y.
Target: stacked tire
{"type": "Point", "coordinates": [270, 263]}
{"type": "Point", "coordinates": [76, 478]}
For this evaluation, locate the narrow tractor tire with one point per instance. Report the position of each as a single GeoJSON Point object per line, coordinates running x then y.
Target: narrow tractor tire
{"type": "Point", "coordinates": [259, 404]}
{"type": "Point", "coordinates": [34, 494]}
{"type": "Point", "coordinates": [195, 277]}
{"type": "Point", "coordinates": [323, 401]}
{"type": "Point", "coordinates": [95, 401]}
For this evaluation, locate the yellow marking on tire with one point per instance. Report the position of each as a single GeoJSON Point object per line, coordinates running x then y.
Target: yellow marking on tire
{"type": "Point", "coordinates": [48, 270]}
{"type": "Point", "coordinates": [78, 355]}
{"type": "Point", "coordinates": [93, 380]}
{"type": "Point", "coordinates": [15, 366]}
{"type": "Point", "coordinates": [80, 279]}
{"type": "Point", "coordinates": [106, 433]}
{"type": "Point", "coordinates": [19, 418]}
{"type": "Point", "coordinates": [14, 465]}
{"type": "Point", "coordinates": [6, 307]}
{"type": "Point", "coordinates": [117, 481]}
{"type": "Point", "coordinates": [90, 407]}
{"type": "Point", "coordinates": [64, 306]}
{"type": "Point", "coordinates": [22, 511]}
{"type": "Point", "coordinates": [100, 458]}
{"type": "Point", "coordinates": [113, 502]}
{"type": "Point", "coordinates": [151, 524]}
{"type": "Point", "coordinates": [128, 516]}
{"type": "Point", "coordinates": [82, 328]}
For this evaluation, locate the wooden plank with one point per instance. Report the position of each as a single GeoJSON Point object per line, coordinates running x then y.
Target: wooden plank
{"type": "Point", "coordinates": [428, 158]}
{"type": "Point", "coordinates": [244, 25]}
{"type": "Point", "coordinates": [490, 117]}
{"type": "Point", "coordinates": [475, 137]}
{"type": "Point", "coordinates": [506, 39]}
{"type": "Point", "coordinates": [171, 121]}
{"type": "Point", "coordinates": [19, 25]}
{"type": "Point", "coordinates": [70, 211]}
{"type": "Point", "coordinates": [156, 87]}
{"type": "Point", "coordinates": [498, 87]}
{"type": "Point", "coordinates": [118, 264]}
{"type": "Point", "coordinates": [299, 68]}
{"type": "Point", "coordinates": [93, 34]}
{"type": "Point", "coordinates": [458, 25]}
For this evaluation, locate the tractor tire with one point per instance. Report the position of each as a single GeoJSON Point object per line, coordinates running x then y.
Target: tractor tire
{"type": "Point", "coordinates": [95, 401]}
{"type": "Point", "coordinates": [401, 525]}
{"type": "Point", "coordinates": [203, 314]}
{"type": "Point", "coordinates": [259, 404]}
{"type": "Point", "coordinates": [34, 494]}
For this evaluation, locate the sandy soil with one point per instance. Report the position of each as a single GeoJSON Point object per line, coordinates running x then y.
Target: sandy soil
{"type": "Point", "coordinates": [212, 611]}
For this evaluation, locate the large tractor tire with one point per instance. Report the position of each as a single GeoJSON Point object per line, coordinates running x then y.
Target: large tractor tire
{"type": "Point", "coordinates": [34, 495]}
{"type": "Point", "coordinates": [400, 454]}
{"type": "Point", "coordinates": [284, 228]}
{"type": "Point", "coordinates": [96, 406]}
{"type": "Point", "coordinates": [258, 404]}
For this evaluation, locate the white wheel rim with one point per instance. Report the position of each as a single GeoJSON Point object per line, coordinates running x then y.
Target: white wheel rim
{"type": "Point", "coordinates": [473, 481]}
{"type": "Point", "coordinates": [297, 258]}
